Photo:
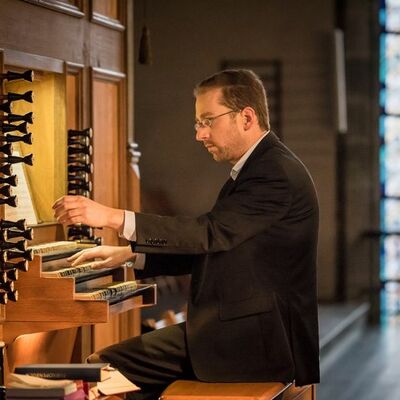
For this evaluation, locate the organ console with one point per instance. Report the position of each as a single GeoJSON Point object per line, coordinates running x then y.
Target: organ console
{"type": "Point", "coordinates": [70, 96]}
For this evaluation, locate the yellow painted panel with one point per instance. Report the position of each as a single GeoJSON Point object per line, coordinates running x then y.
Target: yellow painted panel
{"type": "Point", "coordinates": [47, 176]}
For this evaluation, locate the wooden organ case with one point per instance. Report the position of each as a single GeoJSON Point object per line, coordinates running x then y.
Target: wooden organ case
{"type": "Point", "coordinates": [78, 51]}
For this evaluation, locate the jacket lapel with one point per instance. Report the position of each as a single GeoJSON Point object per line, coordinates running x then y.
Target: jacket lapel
{"type": "Point", "coordinates": [226, 188]}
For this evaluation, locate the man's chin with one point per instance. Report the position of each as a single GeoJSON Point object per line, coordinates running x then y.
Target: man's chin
{"type": "Point", "coordinates": [217, 157]}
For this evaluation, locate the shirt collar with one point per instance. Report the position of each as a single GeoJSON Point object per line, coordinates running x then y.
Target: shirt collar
{"type": "Point", "coordinates": [238, 166]}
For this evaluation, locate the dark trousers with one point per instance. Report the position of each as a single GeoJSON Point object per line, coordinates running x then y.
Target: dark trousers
{"type": "Point", "coordinates": [151, 361]}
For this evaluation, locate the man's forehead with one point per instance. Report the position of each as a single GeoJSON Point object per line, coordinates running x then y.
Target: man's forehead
{"type": "Point", "coordinates": [207, 101]}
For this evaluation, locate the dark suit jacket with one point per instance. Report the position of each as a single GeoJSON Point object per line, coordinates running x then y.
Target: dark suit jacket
{"type": "Point", "coordinates": [252, 311]}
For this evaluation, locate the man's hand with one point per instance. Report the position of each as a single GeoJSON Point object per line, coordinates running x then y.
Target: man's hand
{"type": "Point", "coordinates": [70, 210]}
{"type": "Point", "coordinates": [107, 256]}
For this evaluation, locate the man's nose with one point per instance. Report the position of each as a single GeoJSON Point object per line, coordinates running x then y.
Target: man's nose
{"type": "Point", "coordinates": [202, 134]}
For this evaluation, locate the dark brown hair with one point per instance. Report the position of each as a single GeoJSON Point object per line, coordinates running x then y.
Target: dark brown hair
{"type": "Point", "coordinates": [240, 88]}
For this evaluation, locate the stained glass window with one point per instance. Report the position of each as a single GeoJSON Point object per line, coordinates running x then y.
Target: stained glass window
{"type": "Point", "coordinates": [389, 155]}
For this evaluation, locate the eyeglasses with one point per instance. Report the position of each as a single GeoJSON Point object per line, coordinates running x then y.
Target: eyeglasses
{"type": "Point", "coordinates": [207, 122]}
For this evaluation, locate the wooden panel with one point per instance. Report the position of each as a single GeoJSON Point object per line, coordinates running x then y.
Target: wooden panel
{"type": "Point", "coordinates": [106, 99]}
{"type": "Point", "coordinates": [108, 8]}
{"type": "Point", "coordinates": [73, 96]}
{"type": "Point", "coordinates": [109, 13]}
{"type": "Point", "coordinates": [109, 175]}
{"type": "Point", "coordinates": [71, 7]}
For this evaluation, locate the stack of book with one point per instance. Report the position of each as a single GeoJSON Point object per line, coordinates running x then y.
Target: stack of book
{"type": "Point", "coordinates": [65, 382]}
{"type": "Point", "coordinates": [84, 372]}
{"type": "Point", "coordinates": [25, 387]}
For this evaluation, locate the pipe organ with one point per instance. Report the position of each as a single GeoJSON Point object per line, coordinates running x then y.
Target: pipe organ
{"type": "Point", "coordinates": [66, 127]}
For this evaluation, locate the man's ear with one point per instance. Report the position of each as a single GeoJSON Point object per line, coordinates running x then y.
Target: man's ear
{"type": "Point", "coordinates": [248, 117]}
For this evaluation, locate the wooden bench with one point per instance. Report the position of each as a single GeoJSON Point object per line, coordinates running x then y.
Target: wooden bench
{"type": "Point", "coordinates": [194, 390]}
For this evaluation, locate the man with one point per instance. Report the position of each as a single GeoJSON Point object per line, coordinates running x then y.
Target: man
{"type": "Point", "coordinates": [252, 308]}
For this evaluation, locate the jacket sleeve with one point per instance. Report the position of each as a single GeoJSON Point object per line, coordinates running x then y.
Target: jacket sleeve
{"type": "Point", "coordinates": [257, 201]}
{"type": "Point", "coordinates": [165, 264]}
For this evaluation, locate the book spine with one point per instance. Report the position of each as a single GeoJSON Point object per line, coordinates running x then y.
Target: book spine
{"type": "Point", "coordinates": [89, 375]}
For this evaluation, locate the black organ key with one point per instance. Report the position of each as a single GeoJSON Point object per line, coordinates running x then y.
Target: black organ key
{"type": "Point", "coordinates": [12, 296]}
{"type": "Point", "coordinates": [11, 180]}
{"type": "Point", "coordinates": [26, 234]}
{"type": "Point", "coordinates": [27, 138]}
{"type": "Point", "coordinates": [81, 168]}
{"type": "Point", "coordinates": [20, 224]}
{"type": "Point", "coordinates": [73, 133]}
{"type": "Point", "coordinates": [82, 141]}
{"type": "Point", "coordinates": [11, 201]}
{"type": "Point", "coordinates": [80, 150]}
{"type": "Point", "coordinates": [10, 96]}
{"type": "Point", "coordinates": [6, 149]}
{"type": "Point", "coordinates": [20, 245]}
{"type": "Point", "coordinates": [16, 159]}
{"type": "Point", "coordinates": [3, 297]}
{"type": "Point", "coordinates": [6, 107]}
{"type": "Point", "coordinates": [28, 117]}
{"type": "Point", "coordinates": [3, 235]}
{"type": "Point", "coordinates": [6, 169]}
{"type": "Point", "coordinates": [5, 190]}
{"type": "Point", "coordinates": [12, 76]}
{"type": "Point", "coordinates": [80, 177]}
{"type": "Point", "coordinates": [78, 158]}
{"type": "Point", "coordinates": [13, 254]}
{"type": "Point", "coordinates": [82, 230]}
{"type": "Point", "coordinates": [12, 274]}
{"type": "Point", "coordinates": [23, 127]}
{"type": "Point", "coordinates": [10, 266]}
{"type": "Point", "coordinates": [86, 186]}
{"type": "Point", "coordinates": [7, 286]}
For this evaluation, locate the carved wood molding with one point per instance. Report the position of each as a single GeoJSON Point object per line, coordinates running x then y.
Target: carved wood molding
{"type": "Point", "coordinates": [61, 6]}
{"type": "Point", "coordinates": [25, 60]}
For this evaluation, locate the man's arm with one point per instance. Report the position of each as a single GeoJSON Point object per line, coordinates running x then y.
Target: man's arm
{"type": "Point", "coordinates": [257, 202]}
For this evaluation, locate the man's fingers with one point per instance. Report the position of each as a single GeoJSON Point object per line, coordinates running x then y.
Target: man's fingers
{"type": "Point", "coordinates": [100, 264]}
{"type": "Point", "coordinates": [83, 256]}
{"type": "Point", "coordinates": [74, 256]}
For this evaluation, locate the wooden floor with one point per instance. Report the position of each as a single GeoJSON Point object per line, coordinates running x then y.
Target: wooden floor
{"type": "Point", "coordinates": [367, 367]}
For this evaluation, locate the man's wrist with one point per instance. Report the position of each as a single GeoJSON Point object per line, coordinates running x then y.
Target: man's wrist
{"type": "Point", "coordinates": [116, 219]}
